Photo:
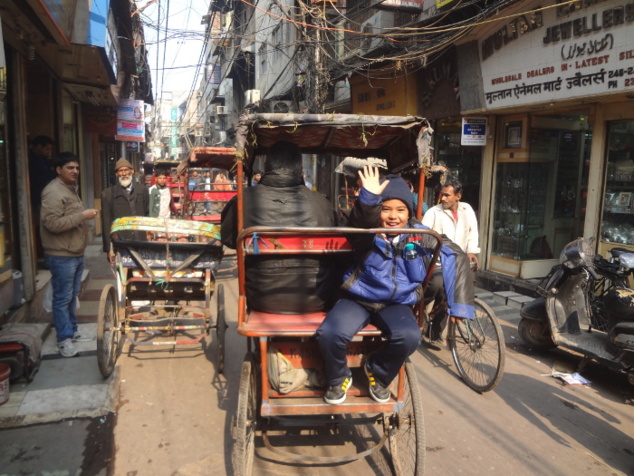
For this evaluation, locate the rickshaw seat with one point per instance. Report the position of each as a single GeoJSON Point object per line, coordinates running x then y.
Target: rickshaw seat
{"type": "Point", "coordinates": [262, 324]}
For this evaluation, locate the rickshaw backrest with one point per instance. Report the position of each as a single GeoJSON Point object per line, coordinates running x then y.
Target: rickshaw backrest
{"type": "Point", "coordinates": [291, 242]}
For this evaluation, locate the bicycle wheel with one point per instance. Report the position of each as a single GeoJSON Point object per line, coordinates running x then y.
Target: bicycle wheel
{"type": "Point", "coordinates": [407, 430]}
{"type": "Point", "coordinates": [107, 331]}
{"type": "Point", "coordinates": [477, 348]}
{"type": "Point", "coordinates": [243, 452]}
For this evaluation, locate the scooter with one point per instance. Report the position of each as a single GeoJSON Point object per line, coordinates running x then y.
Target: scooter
{"type": "Point", "coordinates": [586, 306]}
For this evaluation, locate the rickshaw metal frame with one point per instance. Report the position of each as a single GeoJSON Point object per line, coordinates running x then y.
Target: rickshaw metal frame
{"type": "Point", "coordinates": [402, 141]}
{"type": "Point", "coordinates": [167, 270]}
{"type": "Point", "coordinates": [206, 157]}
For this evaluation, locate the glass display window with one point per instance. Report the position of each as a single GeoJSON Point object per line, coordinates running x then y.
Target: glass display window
{"type": "Point", "coordinates": [541, 186]}
{"type": "Point", "coordinates": [617, 226]}
{"type": "Point", "coordinates": [464, 162]}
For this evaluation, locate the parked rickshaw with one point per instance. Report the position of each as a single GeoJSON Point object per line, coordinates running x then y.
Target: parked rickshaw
{"type": "Point", "coordinates": [208, 176]}
{"type": "Point", "coordinates": [176, 184]}
{"type": "Point", "coordinates": [165, 280]}
{"type": "Point", "coordinates": [402, 142]}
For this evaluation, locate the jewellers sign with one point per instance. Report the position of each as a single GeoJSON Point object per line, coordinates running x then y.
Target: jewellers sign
{"type": "Point", "coordinates": [559, 53]}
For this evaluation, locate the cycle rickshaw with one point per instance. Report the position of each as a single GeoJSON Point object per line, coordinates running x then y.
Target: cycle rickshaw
{"type": "Point", "coordinates": [206, 175]}
{"type": "Point", "coordinates": [402, 141]}
{"type": "Point", "coordinates": [169, 266]}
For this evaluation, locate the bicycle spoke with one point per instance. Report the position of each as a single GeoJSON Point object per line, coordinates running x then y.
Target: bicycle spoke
{"type": "Point", "coordinates": [478, 349]}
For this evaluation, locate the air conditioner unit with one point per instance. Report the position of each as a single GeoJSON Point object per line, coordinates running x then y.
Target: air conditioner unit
{"type": "Point", "coordinates": [220, 110]}
{"type": "Point", "coordinates": [377, 24]}
{"type": "Point", "coordinates": [251, 96]}
{"type": "Point", "coordinates": [281, 106]}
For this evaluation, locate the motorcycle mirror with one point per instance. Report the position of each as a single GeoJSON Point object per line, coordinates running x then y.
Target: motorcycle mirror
{"type": "Point", "coordinates": [627, 260]}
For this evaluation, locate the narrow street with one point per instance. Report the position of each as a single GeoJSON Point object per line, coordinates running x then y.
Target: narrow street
{"type": "Point", "coordinates": [175, 414]}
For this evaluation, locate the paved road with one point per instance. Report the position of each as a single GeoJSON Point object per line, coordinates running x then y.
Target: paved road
{"type": "Point", "coordinates": [175, 414]}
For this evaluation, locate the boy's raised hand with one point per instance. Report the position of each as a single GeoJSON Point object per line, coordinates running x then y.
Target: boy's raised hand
{"type": "Point", "coordinates": [369, 177]}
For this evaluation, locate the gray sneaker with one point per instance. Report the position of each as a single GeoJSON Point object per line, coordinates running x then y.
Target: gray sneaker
{"type": "Point", "coordinates": [83, 337]}
{"type": "Point", "coordinates": [66, 348]}
{"type": "Point", "coordinates": [336, 394]}
{"type": "Point", "coordinates": [378, 392]}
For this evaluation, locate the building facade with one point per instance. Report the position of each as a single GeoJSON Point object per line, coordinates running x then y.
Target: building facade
{"type": "Point", "coordinates": [64, 66]}
{"type": "Point", "coordinates": [551, 86]}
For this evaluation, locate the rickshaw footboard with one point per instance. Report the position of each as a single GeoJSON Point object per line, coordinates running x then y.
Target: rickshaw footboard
{"type": "Point", "coordinates": [296, 457]}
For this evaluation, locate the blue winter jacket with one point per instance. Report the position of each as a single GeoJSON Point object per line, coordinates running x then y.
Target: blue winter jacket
{"type": "Point", "coordinates": [381, 276]}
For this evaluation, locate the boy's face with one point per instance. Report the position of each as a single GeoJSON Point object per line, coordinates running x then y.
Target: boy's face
{"type": "Point", "coordinates": [161, 180]}
{"type": "Point", "coordinates": [394, 214]}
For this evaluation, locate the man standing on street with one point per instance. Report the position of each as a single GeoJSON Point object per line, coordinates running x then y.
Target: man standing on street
{"type": "Point", "coordinates": [283, 285]}
{"type": "Point", "coordinates": [64, 231]}
{"type": "Point", "coordinates": [457, 221]}
{"type": "Point", "coordinates": [125, 199]}
{"type": "Point", "coordinates": [160, 197]}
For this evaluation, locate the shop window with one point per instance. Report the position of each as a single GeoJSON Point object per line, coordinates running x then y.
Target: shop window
{"type": "Point", "coordinates": [541, 186]}
{"type": "Point", "coordinates": [618, 205]}
{"type": "Point", "coordinates": [464, 162]}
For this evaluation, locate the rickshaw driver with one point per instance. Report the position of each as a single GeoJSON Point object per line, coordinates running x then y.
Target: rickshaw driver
{"type": "Point", "coordinates": [284, 285]}
{"type": "Point", "coordinates": [382, 285]}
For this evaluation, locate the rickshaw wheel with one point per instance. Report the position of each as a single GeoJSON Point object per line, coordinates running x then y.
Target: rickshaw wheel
{"type": "Point", "coordinates": [221, 328]}
{"type": "Point", "coordinates": [243, 452]}
{"type": "Point", "coordinates": [407, 430]}
{"type": "Point", "coordinates": [107, 331]}
{"type": "Point", "coordinates": [478, 348]}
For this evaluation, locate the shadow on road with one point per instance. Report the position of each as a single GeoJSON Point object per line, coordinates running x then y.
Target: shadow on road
{"type": "Point", "coordinates": [569, 420]}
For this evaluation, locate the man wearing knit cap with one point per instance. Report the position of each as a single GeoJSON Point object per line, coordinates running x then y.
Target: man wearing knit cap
{"type": "Point", "coordinates": [125, 199]}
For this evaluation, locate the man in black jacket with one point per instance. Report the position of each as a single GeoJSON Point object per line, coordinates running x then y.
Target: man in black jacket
{"type": "Point", "coordinates": [291, 284]}
{"type": "Point", "coordinates": [125, 199]}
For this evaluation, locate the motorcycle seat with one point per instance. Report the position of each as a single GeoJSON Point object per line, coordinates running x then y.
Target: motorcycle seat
{"type": "Point", "coordinates": [616, 252]}
{"type": "Point", "coordinates": [622, 335]}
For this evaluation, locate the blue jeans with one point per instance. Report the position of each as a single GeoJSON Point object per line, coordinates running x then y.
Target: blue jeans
{"type": "Point", "coordinates": [346, 318]}
{"type": "Point", "coordinates": [66, 274]}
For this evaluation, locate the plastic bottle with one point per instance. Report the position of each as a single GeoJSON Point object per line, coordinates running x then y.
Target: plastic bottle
{"type": "Point", "coordinates": [409, 252]}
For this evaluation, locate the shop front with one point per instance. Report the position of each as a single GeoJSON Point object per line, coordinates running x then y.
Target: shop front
{"type": "Point", "coordinates": [558, 84]}
{"type": "Point", "coordinates": [439, 102]}
{"type": "Point", "coordinates": [541, 187]}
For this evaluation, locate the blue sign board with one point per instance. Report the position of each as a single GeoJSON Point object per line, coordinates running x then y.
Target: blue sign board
{"type": "Point", "coordinates": [474, 130]}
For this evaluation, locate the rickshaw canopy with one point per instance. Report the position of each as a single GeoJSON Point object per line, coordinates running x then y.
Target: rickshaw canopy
{"type": "Point", "coordinates": [400, 140]}
{"type": "Point", "coordinates": [208, 157]}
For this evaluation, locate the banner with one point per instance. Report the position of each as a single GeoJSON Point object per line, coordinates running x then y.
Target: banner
{"type": "Point", "coordinates": [130, 121]}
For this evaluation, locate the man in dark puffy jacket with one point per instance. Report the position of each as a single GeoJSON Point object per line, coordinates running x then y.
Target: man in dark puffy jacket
{"type": "Point", "coordinates": [288, 284]}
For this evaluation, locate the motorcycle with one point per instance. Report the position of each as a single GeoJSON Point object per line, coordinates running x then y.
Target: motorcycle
{"type": "Point", "coordinates": [586, 306]}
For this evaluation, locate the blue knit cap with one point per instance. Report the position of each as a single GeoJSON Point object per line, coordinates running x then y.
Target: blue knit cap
{"type": "Point", "coordinates": [398, 189]}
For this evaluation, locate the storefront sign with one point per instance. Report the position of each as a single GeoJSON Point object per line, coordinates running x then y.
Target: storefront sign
{"type": "Point", "coordinates": [401, 4]}
{"type": "Point", "coordinates": [383, 97]}
{"type": "Point", "coordinates": [552, 55]}
{"type": "Point", "coordinates": [3, 61]}
{"type": "Point", "coordinates": [130, 123]}
{"type": "Point", "coordinates": [474, 131]}
{"type": "Point", "coordinates": [100, 120]}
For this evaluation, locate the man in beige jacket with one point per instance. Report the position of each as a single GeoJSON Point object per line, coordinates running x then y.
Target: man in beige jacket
{"type": "Point", "coordinates": [64, 230]}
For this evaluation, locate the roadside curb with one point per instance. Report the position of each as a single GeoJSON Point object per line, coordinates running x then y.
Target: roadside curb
{"type": "Point", "coordinates": [108, 405]}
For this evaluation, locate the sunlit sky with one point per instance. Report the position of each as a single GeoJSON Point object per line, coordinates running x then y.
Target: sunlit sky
{"type": "Point", "coordinates": [173, 62]}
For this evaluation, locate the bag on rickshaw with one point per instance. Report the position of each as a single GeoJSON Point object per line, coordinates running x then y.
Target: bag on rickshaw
{"type": "Point", "coordinates": [285, 378]}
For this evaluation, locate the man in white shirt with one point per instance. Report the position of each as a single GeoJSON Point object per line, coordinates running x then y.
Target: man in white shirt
{"type": "Point", "coordinates": [457, 221]}
{"type": "Point", "coordinates": [160, 197]}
